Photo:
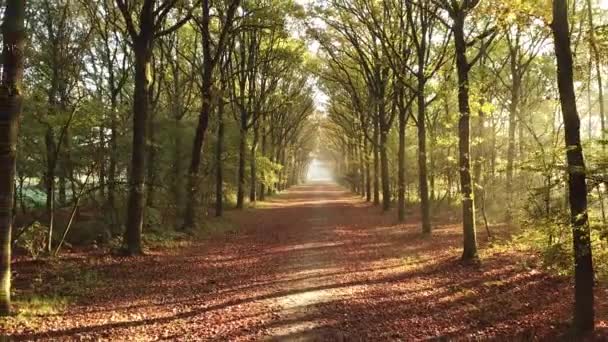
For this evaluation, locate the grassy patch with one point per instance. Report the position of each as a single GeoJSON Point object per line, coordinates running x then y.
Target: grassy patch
{"type": "Point", "coordinates": [171, 239]}
{"type": "Point", "coordinates": [166, 239]}
{"type": "Point", "coordinates": [215, 227]}
{"type": "Point", "coordinates": [52, 285]}
{"type": "Point", "coordinates": [40, 305]}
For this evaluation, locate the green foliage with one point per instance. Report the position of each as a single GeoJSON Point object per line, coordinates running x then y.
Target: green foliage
{"type": "Point", "coordinates": [551, 240]}
{"type": "Point", "coordinates": [268, 170]}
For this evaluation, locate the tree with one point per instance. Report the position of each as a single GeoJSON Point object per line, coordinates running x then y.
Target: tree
{"type": "Point", "coordinates": [143, 32]}
{"type": "Point", "coordinates": [11, 97]}
{"type": "Point", "coordinates": [458, 12]}
{"type": "Point", "coordinates": [577, 186]}
{"type": "Point", "coordinates": [112, 55]}
{"type": "Point", "coordinates": [423, 25]}
{"type": "Point", "coordinates": [210, 61]}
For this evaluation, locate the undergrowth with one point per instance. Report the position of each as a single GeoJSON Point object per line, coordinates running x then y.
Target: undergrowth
{"type": "Point", "coordinates": [53, 285]}
{"type": "Point", "coordinates": [552, 242]}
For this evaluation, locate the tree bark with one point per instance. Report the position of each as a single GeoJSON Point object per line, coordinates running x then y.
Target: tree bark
{"type": "Point", "coordinates": [11, 101]}
{"type": "Point", "coordinates": [422, 167]}
{"type": "Point", "coordinates": [464, 148]}
{"type": "Point", "coordinates": [386, 191]}
{"type": "Point", "coordinates": [262, 193]}
{"type": "Point", "coordinates": [151, 167]}
{"type": "Point", "coordinates": [50, 184]}
{"type": "Point", "coordinates": [401, 168]}
{"type": "Point", "coordinates": [376, 164]}
{"type": "Point", "coordinates": [513, 108]}
{"type": "Point", "coordinates": [219, 163]}
{"type": "Point", "coordinates": [577, 187]}
{"type": "Point", "coordinates": [252, 165]}
{"type": "Point", "coordinates": [240, 193]}
{"type": "Point", "coordinates": [368, 180]}
{"type": "Point", "coordinates": [137, 173]}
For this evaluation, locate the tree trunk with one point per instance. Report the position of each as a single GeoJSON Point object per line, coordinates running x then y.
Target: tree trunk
{"type": "Point", "coordinates": [361, 170]}
{"type": "Point", "coordinates": [252, 166]}
{"type": "Point", "coordinates": [113, 156]}
{"type": "Point", "coordinates": [178, 167]}
{"type": "Point", "coordinates": [284, 170]}
{"type": "Point", "coordinates": [102, 161]}
{"type": "Point", "coordinates": [577, 187]}
{"type": "Point", "coordinates": [219, 163]}
{"type": "Point", "coordinates": [262, 194]}
{"type": "Point", "coordinates": [513, 108]}
{"type": "Point", "coordinates": [192, 203]}
{"type": "Point", "coordinates": [386, 191]}
{"type": "Point", "coordinates": [464, 148]}
{"type": "Point", "coordinates": [401, 168]}
{"type": "Point", "coordinates": [50, 185]}
{"type": "Point", "coordinates": [151, 168]}
{"type": "Point", "coordinates": [422, 167]}
{"type": "Point", "coordinates": [10, 111]}
{"type": "Point", "coordinates": [376, 165]}
{"type": "Point", "coordinates": [240, 194]}
{"type": "Point", "coordinates": [368, 178]}
{"type": "Point", "coordinates": [137, 173]}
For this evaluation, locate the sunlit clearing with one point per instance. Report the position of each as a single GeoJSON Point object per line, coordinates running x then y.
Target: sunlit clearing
{"type": "Point", "coordinates": [318, 171]}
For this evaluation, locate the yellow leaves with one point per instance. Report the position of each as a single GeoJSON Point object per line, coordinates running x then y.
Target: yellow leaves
{"type": "Point", "coordinates": [510, 12]}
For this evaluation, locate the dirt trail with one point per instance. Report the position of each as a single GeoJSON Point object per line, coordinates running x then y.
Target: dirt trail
{"type": "Point", "coordinates": [314, 264]}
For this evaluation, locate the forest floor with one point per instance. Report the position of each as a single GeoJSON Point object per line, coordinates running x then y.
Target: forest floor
{"type": "Point", "coordinates": [313, 264]}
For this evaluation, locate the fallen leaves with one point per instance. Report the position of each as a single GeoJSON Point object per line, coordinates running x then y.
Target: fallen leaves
{"type": "Point", "coordinates": [314, 264]}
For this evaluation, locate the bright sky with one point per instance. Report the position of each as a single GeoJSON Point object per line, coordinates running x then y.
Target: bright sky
{"type": "Point", "coordinates": [318, 171]}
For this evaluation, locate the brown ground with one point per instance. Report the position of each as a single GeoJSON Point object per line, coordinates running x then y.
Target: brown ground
{"type": "Point", "coordinates": [316, 264]}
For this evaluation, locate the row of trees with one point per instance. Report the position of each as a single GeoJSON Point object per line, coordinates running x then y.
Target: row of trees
{"type": "Point", "coordinates": [474, 83]}
{"type": "Point", "coordinates": [136, 109]}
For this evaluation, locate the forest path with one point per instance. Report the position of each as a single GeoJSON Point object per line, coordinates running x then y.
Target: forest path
{"type": "Point", "coordinates": [313, 264]}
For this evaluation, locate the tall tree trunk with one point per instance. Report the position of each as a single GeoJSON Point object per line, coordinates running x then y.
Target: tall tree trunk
{"type": "Point", "coordinates": [352, 167]}
{"type": "Point", "coordinates": [50, 185]}
{"type": "Point", "coordinates": [64, 158]}
{"type": "Point", "coordinates": [479, 152]}
{"type": "Point", "coordinates": [422, 167]}
{"type": "Point", "coordinates": [376, 164]}
{"type": "Point", "coordinates": [262, 194]}
{"type": "Point", "coordinates": [219, 162]}
{"type": "Point", "coordinates": [513, 117]}
{"type": "Point", "coordinates": [272, 159]}
{"type": "Point", "coordinates": [464, 148]}
{"type": "Point", "coordinates": [151, 168]}
{"type": "Point", "coordinates": [401, 168]}
{"type": "Point", "coordinates": [432, 173]}
{"type": "Point", "coordinates": [137, 173]}
{"type": "Point", "coordinates": [368, 179]}
{"type": "Point", "coordinates": [112, 179]}
{"type": "Point", "coordinates": [178, 166]}
{"type": "Point", "coordinates": [240, 193]}
{"type": "Point", "coordinates": [283, 170]}
{"type": "Point", "coordinates": [252, 165]}
{"type": "Point", "coordinates": [13, 34]}
{"type": "Point", "coordinates": [102, 161]}
{"type": "Point", "coordinates": [577, 187]}
{"type": "Point", "coordinates": [386, 191]}
{"type": "Point", "coordinates": [62, 179]}
{"type": "Point", "coordinates": [193, 184]}
{"type": "Point", "coordinates": [361, 170]}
